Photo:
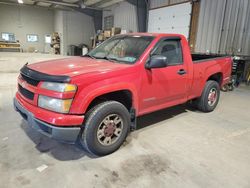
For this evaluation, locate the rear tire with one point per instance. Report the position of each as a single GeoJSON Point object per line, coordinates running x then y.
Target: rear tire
{"type": "Point", "coordinates": [209, 99]}
{"type": "Point", "coordinates": [106, 128]}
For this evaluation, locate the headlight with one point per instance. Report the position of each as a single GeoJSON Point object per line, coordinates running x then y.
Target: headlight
{"type": "Point", "coordinates": [59, 87]}
{"type": "Point", "coordinates": [57, 105]}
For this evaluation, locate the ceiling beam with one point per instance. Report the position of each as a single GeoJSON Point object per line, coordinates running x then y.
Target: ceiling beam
{"type": "Point", "coordinates": [109, 3]}
{"type": "Point", "coordinates": [91, 2]}
{"type": "Point", "coordinates": [26, 5]}
{"type": "Point", "coordinates": [96, 14]}
{"type": "Point", "coordinates": [58, 3]}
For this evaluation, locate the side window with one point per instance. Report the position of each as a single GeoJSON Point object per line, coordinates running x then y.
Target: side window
{"type": "Point", "coordinates": [170, 49]}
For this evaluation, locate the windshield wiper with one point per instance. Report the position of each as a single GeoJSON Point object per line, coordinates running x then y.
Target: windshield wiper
{"type": "Point", "coordinates": [108, 58]}
{"type": "Point", "coordinates": [105, 57]}
{"type": "Point", "coordinates": [88, 55]}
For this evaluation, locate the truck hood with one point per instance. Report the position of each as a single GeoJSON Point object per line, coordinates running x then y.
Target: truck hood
{"type": "Point", "coordinates": [77, 66]}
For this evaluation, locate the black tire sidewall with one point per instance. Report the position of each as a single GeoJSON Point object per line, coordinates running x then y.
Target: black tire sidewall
{"type": "Point", "coordinates": [203, 101]}
{"type": "Point", "coordinates": [89, 134]}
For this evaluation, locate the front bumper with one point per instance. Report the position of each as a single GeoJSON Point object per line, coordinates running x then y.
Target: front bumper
{"type": "Point", "coordinates": [64, 134]}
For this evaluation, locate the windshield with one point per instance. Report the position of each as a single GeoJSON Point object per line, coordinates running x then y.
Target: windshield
{"type": "Point", "coordinates": [125, 49]}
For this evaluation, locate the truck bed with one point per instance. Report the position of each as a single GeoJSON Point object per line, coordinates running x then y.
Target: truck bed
{"type": "Point", "coordinates": [204, 57]}
{"type": "Point", "coordinates": [205, 65]}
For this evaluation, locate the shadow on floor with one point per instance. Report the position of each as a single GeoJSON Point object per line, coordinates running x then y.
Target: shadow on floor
{"type": "Point", "coordinates": [65, 152]}
{"type": "Point", "coordinates": [161, 115]}
{"type": "Point", "coordinates": [60, 151]}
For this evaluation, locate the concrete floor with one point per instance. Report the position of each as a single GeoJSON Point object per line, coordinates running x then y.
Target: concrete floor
{"type": "Point", "coordinates": [177, 147]}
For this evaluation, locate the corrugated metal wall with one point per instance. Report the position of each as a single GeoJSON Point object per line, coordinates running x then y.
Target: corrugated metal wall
{"type": "Point", "coordinates": [159, 3]}
{"type": "Point", "coordinates": [224, 27]}
{"type": "Point", "coordinates": [125, 16]}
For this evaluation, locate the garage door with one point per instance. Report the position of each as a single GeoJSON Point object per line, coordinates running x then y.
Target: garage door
{"type": "Point", "coordinates": [170, 19]}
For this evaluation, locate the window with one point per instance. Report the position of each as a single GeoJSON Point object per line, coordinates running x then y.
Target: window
{"type": "Point", "coordinates": [8, 37]}
{"type": "Point", "coordinates": [47, 39]}
{"type": "Point", "coordinates": [108, 22]}
{"type": "Point", "coordinates": [122, 48]}
{"type": "Point", "coordinates": [171, 49]}
{"type": "Point", "coordinates": [32, 38]}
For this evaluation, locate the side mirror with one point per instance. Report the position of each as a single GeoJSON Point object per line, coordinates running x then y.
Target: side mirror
{"type": "Point", "coordinates": [156, 61]}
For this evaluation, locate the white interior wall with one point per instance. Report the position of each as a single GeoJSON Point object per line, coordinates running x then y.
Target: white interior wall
{"type": "Point", "coordinates": [125, 16]}
{"type": "Point", "coordinates": [79, 28]}
{"type": "Point", "coordinates": [23, 20]}
{"type": "Point", "coordinates": [74, 28]}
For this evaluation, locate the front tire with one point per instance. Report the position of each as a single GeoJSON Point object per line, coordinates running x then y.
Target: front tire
{"type": "Point", "coordinates": [106, 128]}
{"type": "Point", "coordinates": [209, 99]}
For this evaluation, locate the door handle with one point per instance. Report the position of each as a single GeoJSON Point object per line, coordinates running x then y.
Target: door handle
{"type": "Point", "coordinates": [181, 72]}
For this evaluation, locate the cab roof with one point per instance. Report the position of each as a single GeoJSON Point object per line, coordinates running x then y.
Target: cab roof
{"type": "Point", "coordinates": [155, 34]}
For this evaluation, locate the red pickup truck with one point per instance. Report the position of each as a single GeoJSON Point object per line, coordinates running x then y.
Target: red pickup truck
{"type": "Point", "coordinates": [95, 99]}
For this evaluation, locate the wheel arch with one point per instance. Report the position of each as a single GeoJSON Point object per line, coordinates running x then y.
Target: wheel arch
{"type": "Point", "coordinates": [218, 77]}
{"type": "Point", "coordinates": [124, 96]}
{"type": "Point", "coordinates": [123, 93]}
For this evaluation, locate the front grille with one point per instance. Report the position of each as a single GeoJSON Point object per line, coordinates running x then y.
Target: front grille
{"type": "Point", "coordinates": [30, 80]}
{"type": "Point", "coordinates": [26, 93]}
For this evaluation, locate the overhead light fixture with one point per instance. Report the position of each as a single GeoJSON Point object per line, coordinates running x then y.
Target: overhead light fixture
{"type": "Point", "coordinates": [20, 1]}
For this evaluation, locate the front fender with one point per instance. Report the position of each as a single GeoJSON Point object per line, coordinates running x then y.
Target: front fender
{"type": "Point", "coordinates": [88, 94]}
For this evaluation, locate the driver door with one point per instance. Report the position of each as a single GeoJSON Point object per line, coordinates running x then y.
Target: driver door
{"type": "Point", "coordinates": [167, 86]}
